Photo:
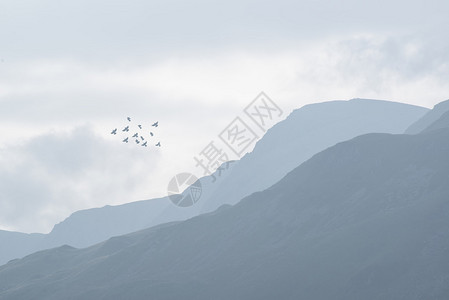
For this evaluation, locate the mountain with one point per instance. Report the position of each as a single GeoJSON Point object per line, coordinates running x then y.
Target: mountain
{"type": "Point", "coordinates": [429, 118]}
{"type": "Point", "coordinates": [442, 122]}
{"type": "Point", "coordinates": [90, 226]}
{"type": "Point", "coordinates": [87, 227]}
{"type": "Point", "coordinates": [17, 244]}
{"type": "Point", "coordinates": [365, 219]}
{"type": "Point", "coordinates": [303, 133]}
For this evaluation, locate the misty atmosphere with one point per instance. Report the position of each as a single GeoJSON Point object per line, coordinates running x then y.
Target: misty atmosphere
{"type": "Point", "coordinates": [224, 150]}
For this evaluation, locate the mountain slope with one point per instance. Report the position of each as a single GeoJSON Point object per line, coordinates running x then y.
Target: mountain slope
{"type": "Point", "coordinates": [305, 132]}
{"type": "Point", "coordinates": [17, 244]}
{"type": "Point", "coordinates": [442, 122]}
{"type": "Point", "coordinates": [88, 227]}
{"type": "Point", "coordinates": [365, 219]}
{"type": "Point", "coordinates": [429, 118]}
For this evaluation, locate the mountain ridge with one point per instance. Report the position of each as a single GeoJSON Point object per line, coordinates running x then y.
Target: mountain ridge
{"type": "Point", "coordinates": [304, 132]}
{"type": "Point", "coordinates": [377, 230]}
{"type": "Point", "coordinates": [429, 118]}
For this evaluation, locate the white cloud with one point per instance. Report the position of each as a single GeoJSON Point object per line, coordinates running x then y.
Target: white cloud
{"type": "Point", "coordinates": [48, 177]}
{"type": "Point", "coordinates": [193, 67]}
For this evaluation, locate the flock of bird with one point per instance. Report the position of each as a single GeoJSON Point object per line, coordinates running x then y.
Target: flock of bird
{"type": "Point", "coordinates": [138, 138]}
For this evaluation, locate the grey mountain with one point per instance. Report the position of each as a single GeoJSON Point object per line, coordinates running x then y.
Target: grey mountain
{"type": "Point", "coordinates": [429, 118]}
{"type": "Point", "coordinates": [365, 219]}
{"type": "Point", "coordinates": [303, 133]}
{"type": "Point", "coordinates": [88, 227]}
{"type": "Point", "coordinates": [17, 244]}
{"type": "Point", "coordinates": [442, 122]}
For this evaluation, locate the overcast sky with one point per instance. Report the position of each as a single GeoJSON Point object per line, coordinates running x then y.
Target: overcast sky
{"type": "Point", "coordinates": [71, 71]}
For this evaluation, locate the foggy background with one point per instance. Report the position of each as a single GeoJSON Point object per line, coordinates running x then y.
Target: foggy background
{"type": "Point", "coordinates": [70, 72]}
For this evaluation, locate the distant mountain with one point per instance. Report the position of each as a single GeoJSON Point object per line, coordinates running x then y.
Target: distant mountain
{"type": "Point", "coordinates": [429, 118]}
{"type": "Point", "coordinates": [442, 122]}
{"type": "Point", "coordinates": [87, 227]}
{"type": "Point", "coordinates": [17, 244]}
{"type": "Point", "coordinates": [365, 219]}
{"type": "Point", "coordinates": [303, 133]}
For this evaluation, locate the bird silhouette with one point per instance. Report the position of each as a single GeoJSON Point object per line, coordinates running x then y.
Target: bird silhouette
{"type": "Point", "coordinates": [142, 141]}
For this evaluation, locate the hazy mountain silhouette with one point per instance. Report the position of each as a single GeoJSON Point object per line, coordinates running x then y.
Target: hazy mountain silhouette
{"type": "Point", "coordinates": [365, 219]}
{"type": "Point", "coordinates": [88, 227]}
{"type": "Point", "coordinates": [17, 244]}
{"type": "Point", "coordinates": [442, 122]}
{"type": "Point", "coordinates": [303, 133]}
{"type": "Point", "coordinates": [429, 118]}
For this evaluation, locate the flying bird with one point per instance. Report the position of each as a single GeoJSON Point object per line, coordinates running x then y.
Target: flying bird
{"type": "Point", "coordinates": [136, 135]}
{"type": "Point", "coordinates": [126, 128]}
{"type": "Point", "coordinates": [144, 144]}
{"type": "Point", "coordinates": [151, 133]}
{"type": "Point", "coordinates": [140, 126]}
{"type": "Point", "coordinates": [155, 124]}
{"type": "Point", "coordinates": [125, 140]}
{"type": "Point", "coordinates": [137, 141]}
{"type": "Point", "coordinates": [129, 119]}
{"type": "Point", "coordinates": [114, 131]}
{"type": "Point", "coordinates": [158, 144]}
{"type": "Point", "coordinates": [142, 138]}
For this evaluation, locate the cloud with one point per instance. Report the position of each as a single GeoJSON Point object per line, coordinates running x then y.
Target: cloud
{"type": "Point", "coordinates": [104, 30]}
{"type": "Point", "coordinates": [66, 91]}
{"type": "Point", "coordinates": [193, 66]}
{"type": "Point", "coordinates": [46, 178]}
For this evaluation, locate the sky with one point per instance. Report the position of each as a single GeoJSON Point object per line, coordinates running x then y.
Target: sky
{"type": "Point", "coordinates": [71, 71]}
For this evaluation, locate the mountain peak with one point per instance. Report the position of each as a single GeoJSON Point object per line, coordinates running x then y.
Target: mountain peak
{"type": "Point", "coordinates": [432, 116]}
